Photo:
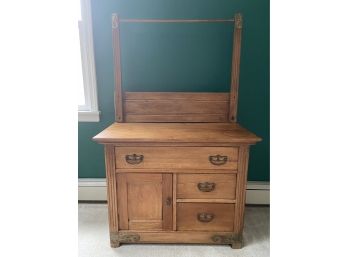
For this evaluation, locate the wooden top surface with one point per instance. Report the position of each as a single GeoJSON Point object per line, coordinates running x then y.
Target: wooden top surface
{"type": "Point", "coordinates": [176, 133]}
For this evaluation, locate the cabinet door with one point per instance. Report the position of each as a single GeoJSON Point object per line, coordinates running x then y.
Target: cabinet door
{"type": "Point", "coordinates": [145, 201]}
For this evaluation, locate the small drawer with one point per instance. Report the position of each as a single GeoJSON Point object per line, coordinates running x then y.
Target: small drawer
{"type": "Point", "coordinates": [205, 216]}
{"type": "Point", "coordinates": [176, 157]}
{"type": "Point", "coordinates": [222, 186]}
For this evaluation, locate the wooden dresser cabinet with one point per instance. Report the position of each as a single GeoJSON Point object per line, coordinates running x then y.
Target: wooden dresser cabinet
{"type": "Point", "coordinates": [176, 163]}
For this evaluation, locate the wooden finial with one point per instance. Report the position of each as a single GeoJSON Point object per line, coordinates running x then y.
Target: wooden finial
{"type": "Point", "coordinates": [115, 20]}
{"type": "Point", "coordinates": [238, 19]}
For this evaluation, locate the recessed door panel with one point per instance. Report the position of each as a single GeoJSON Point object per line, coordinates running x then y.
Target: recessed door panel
{"type": "Point", "coordinates": [144, 200]}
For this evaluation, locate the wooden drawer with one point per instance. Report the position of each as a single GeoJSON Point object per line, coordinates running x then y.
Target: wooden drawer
{"type": "Point", "coordinates": [177, 157]}
{"type": "Point", "coordinates": [222, 186]}
{"type": "Point", "coordinates": [205, 216]}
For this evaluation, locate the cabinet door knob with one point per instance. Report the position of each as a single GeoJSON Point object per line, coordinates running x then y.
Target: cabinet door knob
{"type": "Point", "coordinates": [205, 217]}
{"type": "Point", "coordinates": [168, 201]}
{"type": "Point", "coordinates": [206, 186]}
{"type": "Point", "coordinates": [218, 159]}
{"type": "Point", "coordinates": [134, 158]}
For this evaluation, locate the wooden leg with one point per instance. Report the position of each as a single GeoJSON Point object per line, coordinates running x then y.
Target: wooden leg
{"type": "Point", "coordinates": [114, 240]}
{"type": "Point", "coordinates": [114, 243]}
{"type": "Point", "coordinates": [238, 244]}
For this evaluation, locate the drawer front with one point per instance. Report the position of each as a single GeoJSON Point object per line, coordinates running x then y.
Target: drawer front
{"type": "Point", "coordinates": [205, 216]}
{"type": "Point", "coordinates": [222, 186]}
{"type": "Point", "coordinates": [177, 157]}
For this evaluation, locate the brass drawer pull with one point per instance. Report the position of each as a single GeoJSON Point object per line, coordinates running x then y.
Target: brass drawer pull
{"type": "Point", "coordinates": [206, 186]}
{"type": "Point", "coordinates": [134, 158]}
{"type": "Point", "coordinates": [218, 159]}
{"type": "Point", "coordinates": [205, 217]}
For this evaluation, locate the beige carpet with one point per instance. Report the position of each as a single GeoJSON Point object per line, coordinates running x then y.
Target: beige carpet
{"type": "Point", "coordinates": [94, 238]}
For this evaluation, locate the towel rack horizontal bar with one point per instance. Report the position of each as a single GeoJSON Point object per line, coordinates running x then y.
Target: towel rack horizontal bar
{"type": "Point", "coordinates": [176, 20]}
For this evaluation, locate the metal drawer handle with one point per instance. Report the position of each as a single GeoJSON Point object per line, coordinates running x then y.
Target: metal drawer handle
{"type": "Point", "coordinates": [206, 186]}
{"type": "Point", "coordinates": [218, 159]}
{"type": "Point", "coordinates": [205, 217]}
{"type": "Point", "coordinates": [134, 158]}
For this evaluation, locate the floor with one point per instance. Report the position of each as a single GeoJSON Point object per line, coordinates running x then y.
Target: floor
{"type": "Point", "coordinates": [94, 238]}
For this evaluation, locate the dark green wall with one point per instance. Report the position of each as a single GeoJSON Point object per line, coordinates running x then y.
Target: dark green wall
{"type": "Point", "coordinates": [200, 56]}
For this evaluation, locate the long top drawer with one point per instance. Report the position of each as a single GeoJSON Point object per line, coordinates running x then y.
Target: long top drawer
{"type": "Point", "coordinates": [177, 157]}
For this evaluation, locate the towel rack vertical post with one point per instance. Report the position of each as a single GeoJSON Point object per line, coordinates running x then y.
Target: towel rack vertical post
{"type": "Point", "coordinates": [118, 99]}
{"type": "Point", "coordinates": [237, 39]}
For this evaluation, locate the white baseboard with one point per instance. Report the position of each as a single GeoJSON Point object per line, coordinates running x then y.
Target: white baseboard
{"type": "Point", "coordinates": [94, 189]}
{"type": "Point", "coordinates": [258, 192]}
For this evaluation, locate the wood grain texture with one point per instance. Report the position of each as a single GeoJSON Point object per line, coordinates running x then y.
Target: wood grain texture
{"type": "Point", "coordinates": [175, 176]}
{"type": "Point", "coordinates": [236, 51]}
{"type": "Point", "coordinates": [176, 157]}
{"type": "Point", "coordinates": [167, 201]}
{"type": "Point", "coordinates": [224, 186]}
{"type": "Point", "coordinates": [176, 107]}
{"type": "Point", "coordinates": [187, 144]}
{"type": "Point", "coordinates": [122, 201]}
{"type": "Point", "coordinates": [204, 200]}
{"type": "Point", "coordinates": [118, 99]}
{"type": "Point", "coordinates": [222, 221]}
{"type": "Point", "coordinates": [201, 117]}
{"type": "Point", "coordinates": [177, 171]}
{"type": "Point", "coordinates": [144, 196]}
{"type": "Point", "coordinates": [192, 237]}
{"type": "Point", "coordinates": [152, 225]}
{"type": "Point", "coordinates": [111, 187]}
{"type": "Point", "coordinates": [241, 188]}
{"type": "Point", "coordinates": [202, 96]}
{"type": "Point", "coordinates": [195, 133]}
{"type": "Point", "coordinates": [142, 200]}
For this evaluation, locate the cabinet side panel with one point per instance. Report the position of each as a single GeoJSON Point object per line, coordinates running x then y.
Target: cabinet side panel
{"type": "Point", "coordinates": [122, 200]}
{"type": "Point", "coordinates": [111, 187]}
{"type": "Point", "coordinates": [241, 188]}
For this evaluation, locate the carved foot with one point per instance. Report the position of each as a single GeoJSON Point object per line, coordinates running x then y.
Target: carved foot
{"type": "Point", "coordinates": [114, 244]}
{"type": "Point", "coordinates": [117, 238]}
{"type": "Point", "coordinates": [237, 244]}
{"type": "Point", "coordinates": [235, 240]}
